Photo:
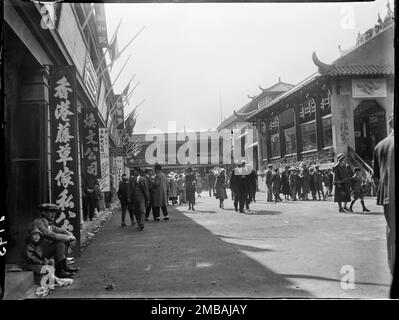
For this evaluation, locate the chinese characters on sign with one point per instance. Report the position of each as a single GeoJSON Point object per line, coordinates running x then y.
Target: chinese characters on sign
{"type": "Point", "coordinates": [104, 160]}
{"type": "Point", "coordinates": [101, 25]}
{"type": "Point", "coordinates": [90, 141]}
{"type": "Point", "coordinates": [64, 147]}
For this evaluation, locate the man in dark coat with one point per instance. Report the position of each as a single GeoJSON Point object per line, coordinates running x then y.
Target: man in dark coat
{"type": "Point", "coordinates": [56, 241]}
{"type": "Point", "coordinates": [139, 196]}
{"type": "Point", "coordinates": [294, 182]}
{"type": "Point", "coordinates": [241, 186]}
{"type": "Point", "coordinates": [269, 174]}
{"type": "Point", "coordinates": [146, 176]}
{"type": "Point", "coordinates": [276, 180]}
{"type": "Point", "coordinates": [252, 187]}
{"type": "Point", "coordinates": [211, 183]}
{"type": "Point", "coordinates": [123, 196]}
{"type": "Point", "coordinates": [384, 175]}
{"type": "Point", "coordinates": [341, 182]}
{"type": "Point", "coordinates": [285, 185]}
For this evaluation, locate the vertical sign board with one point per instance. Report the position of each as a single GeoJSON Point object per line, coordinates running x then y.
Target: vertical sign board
{"type": "Point", "coordinates": [104, 160]}
{"type": "Point", "coordinates": [101, 25]}
{"type": "Point", "coordinates": [91, 166]}
{"type": "Point", "coordinates": [120, 167]}
{"type": "Point", "coordinates": [64, 148]}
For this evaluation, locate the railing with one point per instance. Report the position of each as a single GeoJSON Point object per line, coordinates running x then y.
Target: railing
{"type": "Point", "coordinates": [360, 163]}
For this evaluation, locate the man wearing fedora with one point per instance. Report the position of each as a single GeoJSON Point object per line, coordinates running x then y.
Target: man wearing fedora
{"type": "Point", "coordinates": [56, 241]}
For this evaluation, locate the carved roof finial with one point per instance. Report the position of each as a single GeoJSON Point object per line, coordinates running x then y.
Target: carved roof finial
{"type": "Point", "coordinates": [252, 98]}
{"type": "Point", "coordinates": [323, 67]}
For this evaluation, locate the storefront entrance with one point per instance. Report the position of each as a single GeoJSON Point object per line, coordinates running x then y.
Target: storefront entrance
{"type": "Point", "coordinates": [370, 128]}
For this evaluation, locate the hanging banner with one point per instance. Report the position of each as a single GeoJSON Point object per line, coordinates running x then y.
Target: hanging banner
{"type": "Point", "coordinates": [104, 160]}
{"type": "Point", "coordinates": [90, 78]}
{"type": "Point", "coordinates": [119, 167]}
{"type": "Point", "coordinates": [91, 166]}
{"type": "Point", "coordinates": [64, 147]}
{"type": "Point", "coordinates": [119, 113]}
{"type": "Point", "coordinates": [101, 25]}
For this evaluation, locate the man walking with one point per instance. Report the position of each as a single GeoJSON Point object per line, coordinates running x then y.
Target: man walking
{"type": "Point", "coordinates": [269, 182]}
{"type": "Point", "coordinates": [123, 196]}
{"type": "Point", "coordinates": [241, 193]}
{"type": "Point", "coordinates": [139, 197]}
{"type": "Point", "coordinates": [160, 194]}
{"type": "Point", "coordinates": [147, 178]}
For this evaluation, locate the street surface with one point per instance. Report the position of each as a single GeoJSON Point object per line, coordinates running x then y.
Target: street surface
{"type": "Point", "coordinates": [289, 249]}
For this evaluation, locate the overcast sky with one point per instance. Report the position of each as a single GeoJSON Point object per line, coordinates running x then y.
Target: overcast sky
{"type": "Point", "coordinates": [189, 54]}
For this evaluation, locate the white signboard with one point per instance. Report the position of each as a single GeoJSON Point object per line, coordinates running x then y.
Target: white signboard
{"type": "Point", "coordinates": [369, 88]}
{"type": "Point", "coordinates": [105, 183]}
{"type": "Point", "coordinates": [120, 166]}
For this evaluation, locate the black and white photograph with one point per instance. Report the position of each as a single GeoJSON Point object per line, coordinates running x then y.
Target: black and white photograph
{"type": "Point", "coordinates": [227, 151]}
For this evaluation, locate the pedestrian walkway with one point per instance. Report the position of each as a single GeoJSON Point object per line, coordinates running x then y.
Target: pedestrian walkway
{"type": "Point", "coordinates": [292, 249]}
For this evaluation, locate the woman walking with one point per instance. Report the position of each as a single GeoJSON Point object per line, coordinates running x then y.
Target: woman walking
{"type": "Point", "coordinates": [341, 182]}
{"type": "Point", "coordinates": [220, 187]}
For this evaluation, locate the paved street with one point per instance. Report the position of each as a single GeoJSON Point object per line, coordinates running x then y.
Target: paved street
{"type": "Point", "coordinates": [290, 249]}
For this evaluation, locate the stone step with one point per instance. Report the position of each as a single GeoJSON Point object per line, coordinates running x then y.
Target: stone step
{"type": "Point", "coordinates": [18, 284]}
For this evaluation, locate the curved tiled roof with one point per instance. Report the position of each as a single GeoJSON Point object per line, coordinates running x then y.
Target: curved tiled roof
{"type": "Point", "coordinates": [353, 70]}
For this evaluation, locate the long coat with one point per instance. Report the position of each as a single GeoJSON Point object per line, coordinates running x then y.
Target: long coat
{"type": "Point", "coordinates": [342, 183]}
{"type": "Point", "coordinates": [305, 180]}
{"type": "Point", "coordinates": [190, 182]}
{"type": "Point", "coordinates": [172, 188]}
{"type": "Point", "coordinates": [220, 186]}
{"type": "Point", "coordinates": [384, 170]}
{"type": "Point", "coordinates": [252, 184]}
{"type": "Point", "coordinates": [285, 185]}
{"type": "Point", "coordinates": [123, 192]}
{"type": "Point", "coordinates": [160, 190]}
{"type": "Point", "coordinates": [276, 183]}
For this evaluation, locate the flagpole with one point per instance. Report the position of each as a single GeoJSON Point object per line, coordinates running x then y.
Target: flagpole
{"type": "Point", "coordinates": [113, 83]}
{"type": "Point", "coordinates": [112, 110]}
{"type": "Point", "coordinates": [88, 17]}
{"type": "Point", "coordinates": [135, 108]}
{"type": "Point", "coordinates": [112, 39]}
{"type": "Point", "coordinates": [125, 47]}
{"type": "Point", "coordinates": [120, 97]}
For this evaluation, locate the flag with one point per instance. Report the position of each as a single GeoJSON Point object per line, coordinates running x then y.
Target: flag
{"type": "Point", "coordinates": [114, 49]}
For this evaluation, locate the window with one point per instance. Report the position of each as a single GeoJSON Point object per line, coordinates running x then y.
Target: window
{"type": "Point", "coordinates": [275, 142]}
{"type": "Point", "coordinates": [290, 140]}
{"type": "Point", "coordinates": [308, 136]}
{"type": "Point", "coordinates": [327, 132]}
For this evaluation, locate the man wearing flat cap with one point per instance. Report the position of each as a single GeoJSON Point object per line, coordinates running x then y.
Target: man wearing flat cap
{"type": "Point", "coordinates": [56, 242]}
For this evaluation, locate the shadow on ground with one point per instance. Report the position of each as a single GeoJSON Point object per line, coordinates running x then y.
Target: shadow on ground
{"type": "Point", "coordinates": [175, 258]}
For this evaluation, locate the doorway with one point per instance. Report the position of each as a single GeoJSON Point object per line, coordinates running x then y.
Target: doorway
{"type": "Point", "coordinates": [370, 128]}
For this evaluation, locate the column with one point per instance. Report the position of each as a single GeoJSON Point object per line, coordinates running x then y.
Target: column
{"type": "Point", "coordinates": [319, 126]}
{"type": "Point", "coordinates": [297, 133]}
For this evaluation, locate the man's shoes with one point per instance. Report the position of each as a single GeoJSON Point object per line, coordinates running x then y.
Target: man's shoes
{"type": "Point", "coordinates": [68, 269]}
{"type": "Point", "coordinates": [341, 210]}
{"type": "Point", "coordinates": [157, 219]}
{"type": "Point", "coordinates": [192, 208]}
{"type": "Point", "coordinates": [141, 228]}
{"type": "Point", "coordinates": [236, 209]}
{"type": "Point", "coordinates": [242, 211]}
{"type": "Point", "coordinates": [366, 210]}
{"type": "Point", "coordinates": [346, 209]}
{"type": "Point", "coordinates": [123, 224]}
{"type": "Point", "coordinates": [350, 210]}
{"type": "Point", "coordinates": [63, 274]}
{"type": "Point", "coordinates": [166, 218]}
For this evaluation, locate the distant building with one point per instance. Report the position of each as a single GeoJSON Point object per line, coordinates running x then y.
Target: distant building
{"type": "Point", "coordinates": [238, 124]}
{"type": "Point", "coordinates": [343, 107]}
